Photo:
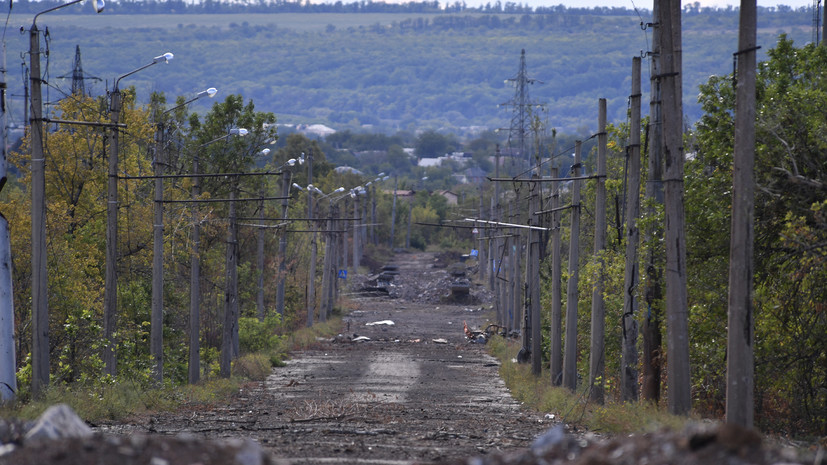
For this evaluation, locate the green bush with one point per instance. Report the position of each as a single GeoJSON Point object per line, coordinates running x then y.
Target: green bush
{"type": "Point", "coordinates": [260, 336]}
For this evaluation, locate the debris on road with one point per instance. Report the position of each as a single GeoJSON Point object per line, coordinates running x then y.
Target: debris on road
{"type": "Point", "coordinates": [381, 323]}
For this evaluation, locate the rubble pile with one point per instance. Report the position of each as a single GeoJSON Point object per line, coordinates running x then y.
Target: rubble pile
{"type": "Point", "coordinates": [699, 444]}
{"type": "Point", "coordinates": [60, 437]}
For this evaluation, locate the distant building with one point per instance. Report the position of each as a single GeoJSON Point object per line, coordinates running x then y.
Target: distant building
{"type": "Point", "coordinates": [402, 194]}
{"type": "Point", "coordinates": [453, 199]}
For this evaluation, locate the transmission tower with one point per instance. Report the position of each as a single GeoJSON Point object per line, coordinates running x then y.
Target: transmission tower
{"type": "Point", "coordinates": [521, 113]}
{"type": "Point", "coordinates": [78, 76]}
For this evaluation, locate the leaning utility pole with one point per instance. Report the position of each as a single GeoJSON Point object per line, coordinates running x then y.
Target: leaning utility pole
{"type": "Point", "coordinates": [570, 353]}
{"type": "Point", "coordinates": [740, 357]}
{"type": "Point", "coordinates": [677, 321]}
{"type": "Point", "coordinates": [629, 359]}
{"type": "Point", "coordinates": [597, 352]}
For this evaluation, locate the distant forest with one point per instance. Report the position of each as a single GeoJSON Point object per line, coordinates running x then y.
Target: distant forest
{"type": "Point", "coordinates": [387, 67]}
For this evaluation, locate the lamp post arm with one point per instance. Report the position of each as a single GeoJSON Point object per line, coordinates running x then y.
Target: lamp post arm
{"type": "Point", "coordinates": [34, 21]}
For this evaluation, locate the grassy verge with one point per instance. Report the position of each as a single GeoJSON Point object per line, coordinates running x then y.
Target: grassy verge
{"type": "Point", "coordinates": [571, 407]}
{"type": "Point", "coordinates": [124, 398]}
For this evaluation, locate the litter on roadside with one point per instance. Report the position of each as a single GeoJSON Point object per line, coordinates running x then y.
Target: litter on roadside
{"type": "Point", "coordinates": [383, 322]}
{"type": "Point", "coordinates": [360, 339]}
{"type": "Point", "coordinates": [440, 341]}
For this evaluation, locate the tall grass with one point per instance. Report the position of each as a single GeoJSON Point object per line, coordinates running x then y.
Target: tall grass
{"type": "Point", "coordinates": [123, 398]}
{"type": "Point", "coordinates": [572, 407]}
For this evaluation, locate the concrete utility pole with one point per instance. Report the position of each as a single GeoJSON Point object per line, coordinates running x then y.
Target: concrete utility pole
{"type": "Point", "coordinates": [40, 303]}
{"type": "Point", "coordinates": [194, 366]}
{"type": "Point", "coordinates": [677, 321]}
{"type": "Point", "coordinates": [740, 325]}
{"type": "Point", "coordinates": [393, 211]}
{"type": "Point", "coordinates": [328, 264]}
{"type": "Point", "coordinates": [629, 359]}
{"type": "Point", "coordinates": [652, 336]}
{"type": "Point", "coordinates": [40, 299]}
{"type": "Point", "coordinates": [287, 179]}
{"type": "Point", "coordinates": [533, 276]}
{"type": "Point", "coordinates": [311, 275]}
{"type": "Point", "coordinates": [570, 353]}
{"type": "Point", "coordinates": [260, 260]}
{"type": "Point", "coordinates": [8, 362]}
{"type": "Point", "coordinates": [357, 235]}
{"type": "Point", "coordinates": [482, 241]}
{"type": "Point", "coordinates": [230, 329]}
{"type": "Point", "coordinates": [556, 335]}
{"type": "Point", "coordinates": [597, 353]}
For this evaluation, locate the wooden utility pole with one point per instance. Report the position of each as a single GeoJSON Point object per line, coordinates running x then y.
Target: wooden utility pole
{"type": "Point", "coordinates": [597, 352]}
{"type": "Point", "coordinates": [677, 321]}
{"type": "Point", "coordinates": [629, 360]}
{"type": "Point", "coordinates": [739, 391]}
{"type": "Point", "coordinates": [652, 336]}
{"type": "Point", "coordinates": [556, 285]}
{"type": "Point", "coordinates": [570, 351]}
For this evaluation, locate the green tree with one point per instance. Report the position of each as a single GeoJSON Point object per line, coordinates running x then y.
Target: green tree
{"type": "Point", "coordinates": [790, 284]}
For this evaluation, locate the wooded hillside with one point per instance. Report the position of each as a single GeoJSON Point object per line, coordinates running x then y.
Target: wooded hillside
{"type": "Point", "coordinates": [393, 70]}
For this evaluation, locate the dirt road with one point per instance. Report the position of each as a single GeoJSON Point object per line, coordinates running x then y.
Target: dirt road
{"type": "Point", "coordinates": [416, 391]}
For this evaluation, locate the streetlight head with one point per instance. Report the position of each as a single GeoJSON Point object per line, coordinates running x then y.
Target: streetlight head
{"type": "Point", "coordinates": [238, 132]}
{"type": "Point", "coordinates": [165, 58]}
{"type": "Point", "coordinates": [291, 162]}
{"type": "Point", "coordinates": [386, 178]}
{"type": "Point", "coordinates": [296, 186]}
{"type": "Point", "coordinates": [301, 159]}
{"type": "Point", "coordinates": [98, 5]}
{"type": "Point", "coordinates": [265, 151]}
{"type": "Point", "coordinates": [211, 92]}
{"type": "Point", "coordinates": [311, 187]}
{"type": "Point", "coordinates": [380, 174]}
{"type": "Point", "coordinates": [341, 189]}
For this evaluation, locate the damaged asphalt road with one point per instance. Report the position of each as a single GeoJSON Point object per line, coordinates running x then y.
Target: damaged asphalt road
{"type": "Point", "coordinates": [413, 389]}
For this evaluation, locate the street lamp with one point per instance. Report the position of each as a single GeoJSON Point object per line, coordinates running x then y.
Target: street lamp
{"type": "Point", "coordinates": [110, 298]}
{"type": "Point", "coordinates": [156, 337]}
{"type": "Point", "coordinates": [40, 302]}
{"type": "Point", "coordinates": [194, 369]}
